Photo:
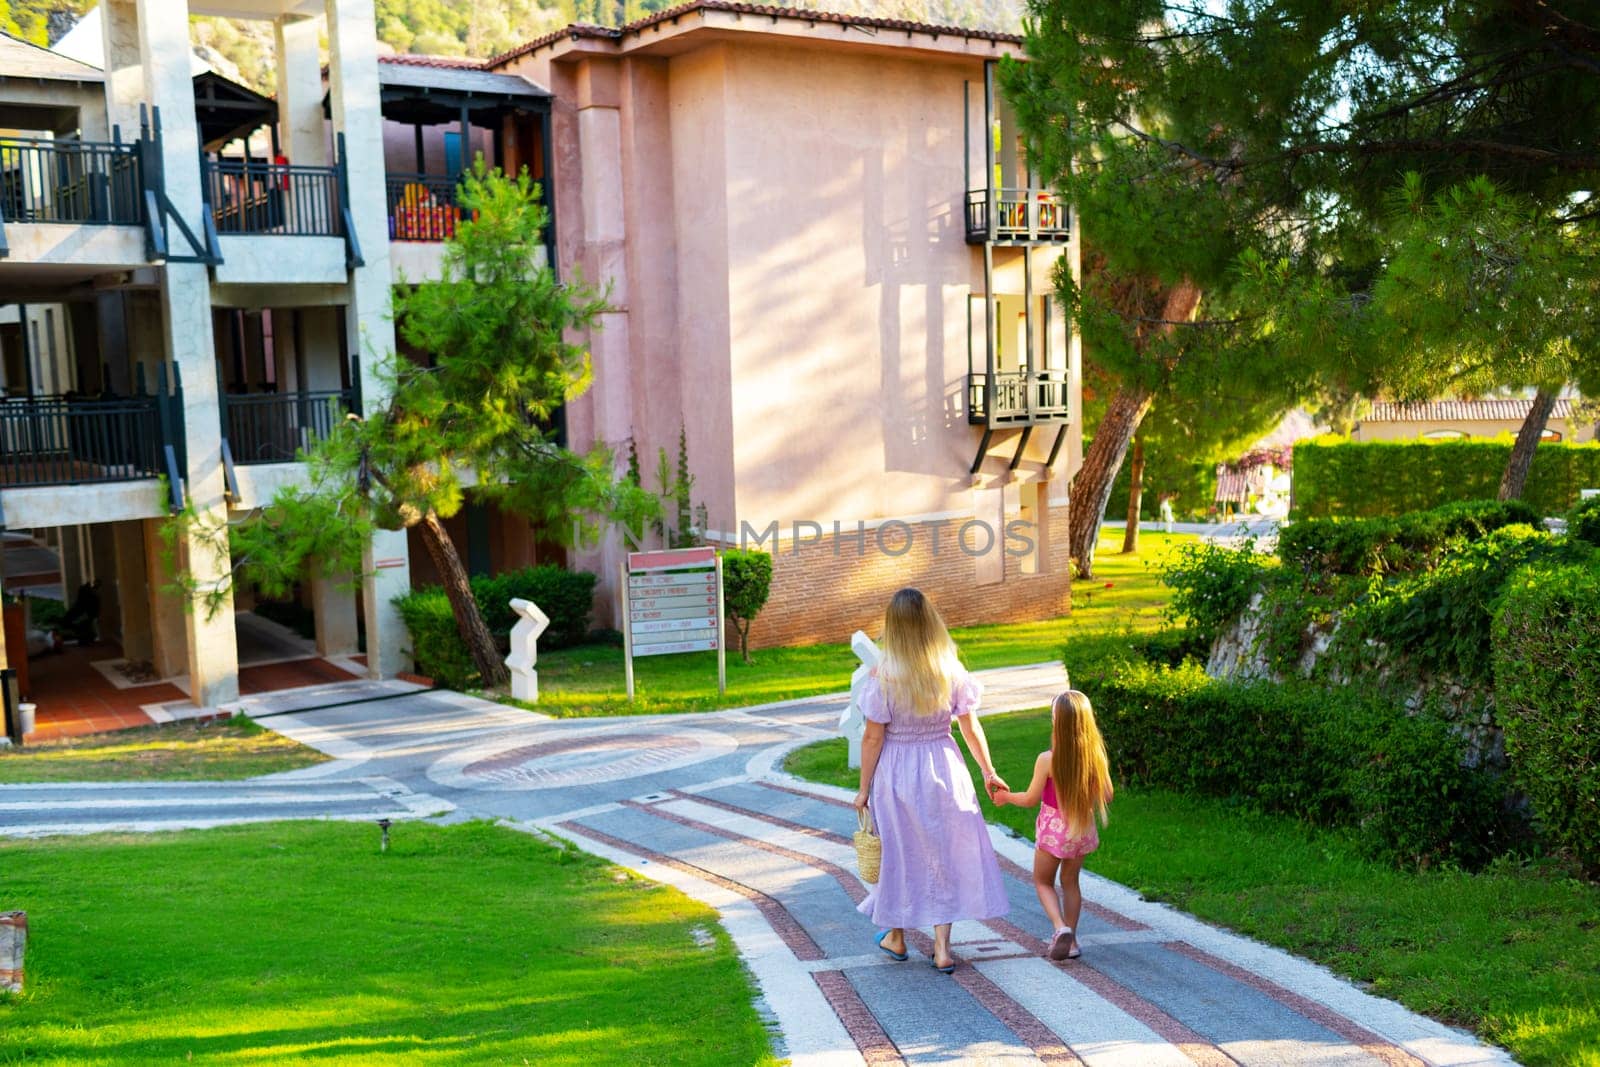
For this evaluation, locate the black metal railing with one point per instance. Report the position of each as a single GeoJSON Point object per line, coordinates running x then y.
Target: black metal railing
{"type": "Point", "coordinates": [422, 207]}
{"type": "Point", "coordinates": [276, 427]}
{"type": "Point", "coordinates": [71, 440]}
{"type": "Point", "coordinates": [1017, 396]}
{"type": "Point", "coordinates": [94, 182]}
{"type": "Point", "coordinates": [1019, 215]}
{"type": "Point", "coordinates": [252, 196]}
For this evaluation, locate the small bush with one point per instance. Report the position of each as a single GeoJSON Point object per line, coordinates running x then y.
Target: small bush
{"type": "Point", "coordinates": [746, 584]}
{"type": "Point", "coordinates": [1333, 757]}
{"type": "Point", "coordinates": [566, 597]}
{"type": "Point", "coordinates": [1547, 687]}
{"type": "Point", "coordinates": [1583, 521]}
{"type": "Point", "coordinates": [1211, 586]}
{"type": "Point", "coordinates": [436, 644]}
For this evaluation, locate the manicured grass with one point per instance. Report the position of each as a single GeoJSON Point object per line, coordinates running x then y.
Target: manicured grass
{"type": "Point", "coordinates": [1512, 953]}
{"type": "Point", "coordinates": [300, 942]}
{"type": "Point", "coordinates": [237, 748]}
{"type": "Point", "coordinates": [588, 680]}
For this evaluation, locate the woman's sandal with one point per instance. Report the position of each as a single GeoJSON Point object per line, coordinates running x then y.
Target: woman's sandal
{"type": "Point", "coordinates": [948, 969]}
{"type": "Point", "coordinates": [898, 957]}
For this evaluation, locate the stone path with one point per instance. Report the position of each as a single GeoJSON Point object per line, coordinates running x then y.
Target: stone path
{"type": "Point", "coordinates": [699, 802]}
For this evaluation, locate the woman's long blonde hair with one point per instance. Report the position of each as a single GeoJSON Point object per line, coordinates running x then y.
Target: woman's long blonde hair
{"type": "Point", "coordinates": [919, 659]}
{"type": "Point", "coordinates": [1078, 763]}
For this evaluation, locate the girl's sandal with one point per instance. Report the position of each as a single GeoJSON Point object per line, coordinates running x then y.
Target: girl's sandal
{"type": "Point", "coordinates": [1076, 951]}
{"type": "Point", "coordinates": [1063, 946]}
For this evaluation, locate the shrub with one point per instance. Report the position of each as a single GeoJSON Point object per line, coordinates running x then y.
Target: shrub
{"type": "Point", "coordinates": [1211, 585]}
{"type": "Point", "coordinates": [1408, 542]}
{"type": "Point", "coordinates": [1337, 477]}
{"type": "Point", "coordinates": [746, 583]}
{"type": "Point", "coordinates": [566, 597]}
{"type": "Point", "coordinates": [1547, 687]}
{"type": "Point", "coordinates": [1333, 757]}
{"type": "Point", "coordinates": [1583, 521]}
{"type": "Point", "coordinates": [436, 644]}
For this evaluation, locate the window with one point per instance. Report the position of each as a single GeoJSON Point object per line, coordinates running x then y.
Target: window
{"type": "Point", "coordinates": [1550, 435]}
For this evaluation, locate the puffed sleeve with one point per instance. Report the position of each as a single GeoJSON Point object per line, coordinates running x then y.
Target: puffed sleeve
{"type": "Point", "coordinates": [873, 706]}
{"type": "Point", "coordinates": [966, 692]}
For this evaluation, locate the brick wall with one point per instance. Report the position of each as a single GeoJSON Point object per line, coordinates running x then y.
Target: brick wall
{"type": "Point", "coordinates": [825, 591]}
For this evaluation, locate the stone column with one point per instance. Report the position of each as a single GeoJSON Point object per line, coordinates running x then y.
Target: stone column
{"type": "Point", "coordinates": [302, 130]}
{"type": "Point", "coordinates": [334, 602]}
{"type": "Point", "coordinates": [353, 90]}
{"type": "Point", "coordinates": [212, 652]}
{"type": "Point", "coordinates": [133, 592]}
{"type": "Point", "coordinates": [125, 86]}
{"type": "Point", "coordinates": [168, 631]}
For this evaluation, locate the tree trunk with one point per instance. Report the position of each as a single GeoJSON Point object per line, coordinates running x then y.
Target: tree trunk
{"type": "Point", "coordinates": [469, 620]}
{"type": "Point", "coordinates": [1515, 478]}
{"type": "Point", "coordinates": [1091, 486]}
{"type": "Point", "coordinates": [1130, 536]}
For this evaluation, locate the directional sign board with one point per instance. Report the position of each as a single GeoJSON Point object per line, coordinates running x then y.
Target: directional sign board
{"type": "Point", "coordinates": [672, 602]}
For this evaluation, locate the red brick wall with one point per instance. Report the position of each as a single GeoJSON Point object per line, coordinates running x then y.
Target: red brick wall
{"type": "Point", "coordinates": [819, 596]}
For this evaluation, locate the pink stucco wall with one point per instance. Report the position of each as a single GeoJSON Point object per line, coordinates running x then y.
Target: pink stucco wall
{"type": "Point", "coordinates": [790, 274]}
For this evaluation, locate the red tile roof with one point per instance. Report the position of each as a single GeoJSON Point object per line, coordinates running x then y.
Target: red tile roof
{"type": "Point", "coordinates": [582, 30]}
{"type": "Point", "coordinates": [1462, 411]}
{"type": "Point", "coordinates": [446, 62]}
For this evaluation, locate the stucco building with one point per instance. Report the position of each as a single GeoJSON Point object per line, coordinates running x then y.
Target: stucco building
{"type": "Point", "coordinates": [1447, 420]}
{"type": "Point", "coordinates": [830, 270]}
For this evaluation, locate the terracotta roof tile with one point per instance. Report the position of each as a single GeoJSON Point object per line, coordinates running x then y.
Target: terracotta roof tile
{"type": "Point", "coordinates": [446, 62]}
{"type": "Point", "coordinates": [1462, 411]}
{"type": "Point", "coordinates": [582, 30]}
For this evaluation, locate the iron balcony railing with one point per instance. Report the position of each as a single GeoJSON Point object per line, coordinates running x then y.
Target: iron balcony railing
{"type": "Point", "coordinates": [71, 440]}
{"type": "Point", "coordinates": [94, 182]}
{"type": "Point", "coordinates": [277, 427]}
{"type": "Point", "coordinates": [248, 196]}
{"type": "Point", "coordinates": [1020, 215]}
{"type": "Point", "coordinates": [1018, 396]}
{"type": "Point", "coordinates": [422, 207]}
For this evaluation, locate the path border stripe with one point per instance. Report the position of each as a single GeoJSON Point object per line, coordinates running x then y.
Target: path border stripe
{"type": "Point", "coordinates": [783, 924]}
{"type": "Point", "coordinates": [874, 1044]}
{"type": "Point", "coordinates": [1369, 1042]}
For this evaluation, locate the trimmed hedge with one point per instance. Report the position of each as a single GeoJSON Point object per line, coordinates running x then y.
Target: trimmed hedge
{"type": "Point", "coordinates": [1409, 542]}
{"type": "Point", "coordinates": [1333, 757]}
{"type": "Point", "coordinates": [565, 596]}
{"type": "Point", "coordinates": [1583, 521]}
{"type": "Point", "coordinates": [1547, 687]}
{"type": "Point", "coordinates": [1335, 477]}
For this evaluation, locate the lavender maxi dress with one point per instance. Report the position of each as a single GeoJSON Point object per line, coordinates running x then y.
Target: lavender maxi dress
{"type": "Point", "coordinates": [938, 865]}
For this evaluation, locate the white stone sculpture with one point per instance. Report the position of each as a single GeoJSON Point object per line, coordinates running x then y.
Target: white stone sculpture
{"type": "Point", "coordinates": [852, 723]}
{"type": "Point", "coordinates": [531, 622]}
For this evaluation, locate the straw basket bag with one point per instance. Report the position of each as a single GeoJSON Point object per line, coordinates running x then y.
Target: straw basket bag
{"type": "Point", "coordinates": [869, 849]}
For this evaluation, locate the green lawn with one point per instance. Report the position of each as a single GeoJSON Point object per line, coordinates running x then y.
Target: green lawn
{"type": "Point", "coordinates": [301, 942]}
{"type": "Point", "coordinates": [237, 748]}
{"type": "Point", "coordinates": [1511, 953]}
{"type": "Point", "coordinates": [588, 680]}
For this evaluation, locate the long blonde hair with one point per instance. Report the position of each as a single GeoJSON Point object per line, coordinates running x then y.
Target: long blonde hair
{"type": "Point", "coordinates": [919, 659]}
{"type": "Point", "coordinates": [1078, 763]}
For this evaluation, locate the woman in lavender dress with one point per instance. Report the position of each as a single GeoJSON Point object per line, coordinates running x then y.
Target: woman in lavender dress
{"type": "Point", "coordinates": [938, 866]}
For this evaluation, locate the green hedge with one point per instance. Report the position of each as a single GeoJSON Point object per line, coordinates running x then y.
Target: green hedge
{"type": "Point", "coordinates": [565, 596]}
{"type": "Point", "coordinates": [1583, 521]}
{"type": "Point", "coordinates": [1334, 477]}
{"type": "Point", "coordinates": [1413, 541]}
{"type": "Point", "coordinates": [1333, 757]}
{"type": "Point", "coordinates": [1547, 688]}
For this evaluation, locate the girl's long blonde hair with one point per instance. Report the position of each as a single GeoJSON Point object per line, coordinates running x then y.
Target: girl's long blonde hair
{"type": "Point", "coordinates": [919, 659]}
{"type": "Point", "coordinates": [1078, 763]}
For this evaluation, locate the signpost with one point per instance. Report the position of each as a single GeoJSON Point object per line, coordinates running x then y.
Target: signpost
{"type": "Point", "coordinates": [672, 602]}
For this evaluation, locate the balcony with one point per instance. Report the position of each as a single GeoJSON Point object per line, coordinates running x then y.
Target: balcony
{"type": "Point", "coordinates": [422, 207]}
{"type": "Point", "coordinates": [1018, 216]}
{"type": "Point", "coordinates": [69, 440]}
{"type": "Point", "coordinates": [248, 196]}
{"type": "Point", "coordinates": [277, 427]}
{"type": "Point", "coordinates": [83, 182]}
{"type": "Point", "coordinates": [1018, 398]}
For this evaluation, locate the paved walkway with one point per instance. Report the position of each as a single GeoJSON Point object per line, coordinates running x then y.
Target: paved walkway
{"type": "Point", "coordinates": [699, 802]}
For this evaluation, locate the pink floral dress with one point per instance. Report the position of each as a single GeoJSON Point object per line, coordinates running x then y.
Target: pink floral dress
{"type": "Point", "coordinates": [1051, 834]}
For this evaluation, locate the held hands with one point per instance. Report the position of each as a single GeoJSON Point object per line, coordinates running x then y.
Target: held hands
{"type": "Point", "coordinates": [996, 786]}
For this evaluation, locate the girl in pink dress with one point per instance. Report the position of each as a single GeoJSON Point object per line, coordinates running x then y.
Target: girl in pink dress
{"type": "Point", "coordinates": [1072, 786]}
{"type": "Point", "coordinates": [938, 866]}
